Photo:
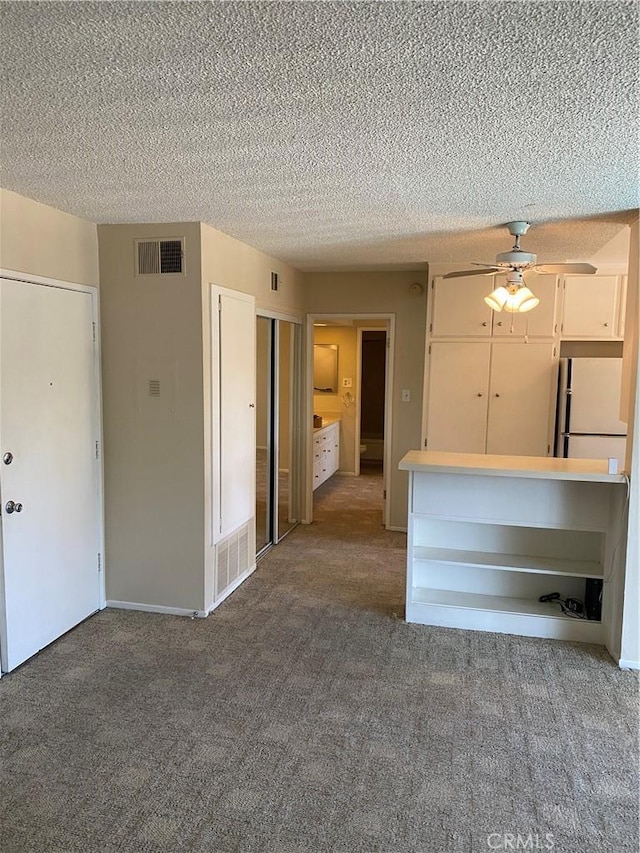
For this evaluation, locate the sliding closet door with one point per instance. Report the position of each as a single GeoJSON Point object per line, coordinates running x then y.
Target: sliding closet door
{"type": "Point", "coordinates": [288, 469]}
{"type": "Point", "coordinates": [278, 436]}
{"type": "Point", "coordinates": [264, 438]}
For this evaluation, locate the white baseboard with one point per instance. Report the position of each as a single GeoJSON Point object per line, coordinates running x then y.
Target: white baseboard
{"type": "Point", "coordinates": [629, 664]}
{"type": "Point", "coordinates": [240, 579]}
{"type": "Point", "coordinates": [157, 608]}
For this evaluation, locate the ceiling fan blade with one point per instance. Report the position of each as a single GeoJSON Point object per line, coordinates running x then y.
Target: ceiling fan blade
{"type": "Point", "coordinates": [462, 273]}
{"type": "Point", "coordinates": [576, 269]}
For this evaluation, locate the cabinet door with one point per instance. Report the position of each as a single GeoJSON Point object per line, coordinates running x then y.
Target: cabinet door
{"type": "Point", "coordinates": [459, 309]}
{"type": "Point", "coordinates": [520, 398]}
{"type": "Point", "coordinates": [457, 401]}
{"type": "Point", "coordinates": [590, 306]}
{"type": "Point", "coordinates": [538, 323]}
{"type": "Point", "coordinates": [623, 305]}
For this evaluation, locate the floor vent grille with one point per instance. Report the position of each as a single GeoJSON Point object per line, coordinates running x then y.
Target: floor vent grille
{"type": "Point", "coordinates": [234, 556]}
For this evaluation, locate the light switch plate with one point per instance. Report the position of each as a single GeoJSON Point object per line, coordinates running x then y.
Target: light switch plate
{"type": "Point", "coordinates": [406, 395]}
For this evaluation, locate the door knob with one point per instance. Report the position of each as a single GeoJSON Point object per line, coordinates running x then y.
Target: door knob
{"type": "Point", "coordinates": [11, 506]}
{"type": "Point", "coordinates": [7, 458]}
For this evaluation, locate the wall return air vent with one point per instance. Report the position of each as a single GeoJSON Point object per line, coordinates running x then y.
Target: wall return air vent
{"type": "Point", "coordinates": [160, 257]}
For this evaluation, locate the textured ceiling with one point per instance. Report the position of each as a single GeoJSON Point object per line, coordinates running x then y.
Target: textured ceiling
{"type": "Point", "coordinates": [330, 134]}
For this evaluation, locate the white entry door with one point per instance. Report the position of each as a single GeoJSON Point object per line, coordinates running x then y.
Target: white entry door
{"type": "Point", "coordinates": [48, 468]}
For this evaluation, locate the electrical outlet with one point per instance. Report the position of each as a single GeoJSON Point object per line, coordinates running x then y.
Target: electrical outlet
{"type": "Point", "coordinates": [406, 395]}
{"type": "Point", "coordinates": [347, 383]}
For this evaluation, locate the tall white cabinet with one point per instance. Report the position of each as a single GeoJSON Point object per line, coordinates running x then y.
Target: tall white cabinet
{"type": "Point", "coordinates": [490, 378]}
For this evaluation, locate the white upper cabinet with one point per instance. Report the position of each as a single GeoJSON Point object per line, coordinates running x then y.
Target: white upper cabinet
{"type": "Point", "coordinates": [540, 322]}
{"type": "Point", "coordinates": [591, 306]}
{"type": "Point", "coordinates": [458, 307]}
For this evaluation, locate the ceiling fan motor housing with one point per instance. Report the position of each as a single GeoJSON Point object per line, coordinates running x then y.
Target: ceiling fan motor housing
{"type": "Point", "coordinates": [516, 259]}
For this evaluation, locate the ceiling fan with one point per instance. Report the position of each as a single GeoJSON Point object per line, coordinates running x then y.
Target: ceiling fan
{"type": "Point", "coordinates": [515, 296]}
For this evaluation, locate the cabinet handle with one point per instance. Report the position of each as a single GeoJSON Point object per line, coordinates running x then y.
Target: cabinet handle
{"type": "Point", "coordinates": [606, 324]}
{"type": "Point", "coordinates": [478, 394]}
{"type": "Point", "coordinates": [499, 323]}
{"type": "Point", "coordinates": [496, 395]}
{"type": "Point", "coordinates": [485, 323]}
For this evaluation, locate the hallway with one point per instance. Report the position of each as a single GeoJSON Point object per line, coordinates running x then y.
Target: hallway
{"type": "Point", "coordinates": [349, 558]}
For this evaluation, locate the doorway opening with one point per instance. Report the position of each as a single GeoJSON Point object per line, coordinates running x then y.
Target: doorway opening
{"type": "Point", "coordinates": [349, 376]}
{"type": "Point", "coordinates": [372, 350]}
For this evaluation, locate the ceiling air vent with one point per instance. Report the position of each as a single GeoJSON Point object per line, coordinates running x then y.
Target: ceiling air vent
{"type": "Point", "coordinates": [275, 281]}
{"type": "Point", "coordinates": [159, 257]}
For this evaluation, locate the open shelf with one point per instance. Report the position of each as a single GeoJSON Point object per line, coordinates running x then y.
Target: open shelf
{"type": "Point", "coordinates": [492, 603]}
{"type": "Point", "coordinates": [510, 562]}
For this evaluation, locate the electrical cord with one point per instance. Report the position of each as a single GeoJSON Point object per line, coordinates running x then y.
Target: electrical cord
{"type": "Point", "coordinates": [570, 606]}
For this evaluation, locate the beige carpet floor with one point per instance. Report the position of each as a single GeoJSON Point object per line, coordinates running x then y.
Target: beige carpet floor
{"type": "Point", "coordinates": [305, 716]}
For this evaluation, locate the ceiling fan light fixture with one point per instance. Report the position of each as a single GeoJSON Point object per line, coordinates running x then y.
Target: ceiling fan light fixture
{"type": "Point", "coordinates": [498, 298]}
{"type": "Point", "coordinates": [520, 299]}
{"type": "Point", "coordinates": [529, 303]}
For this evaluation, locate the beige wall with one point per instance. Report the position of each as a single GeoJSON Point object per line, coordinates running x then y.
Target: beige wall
{"type": "Point", "coordinates": [227, 262]}
{"type": "Point", "coordinates": [43, 241]}
{"type": "Point", "coordinates": [346, 338]}
{"type": "Point", "coordinates": [230, 263]}
{"type": "Point", "coordinates": [153, 454]}
{"type": "Point", "coordinates": [385, 293]}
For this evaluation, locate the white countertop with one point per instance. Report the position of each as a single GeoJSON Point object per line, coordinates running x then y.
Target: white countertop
{"type": "Point", "coordinates": [482, 464]}
{"type": "Point", "coordinates": [327, 420]}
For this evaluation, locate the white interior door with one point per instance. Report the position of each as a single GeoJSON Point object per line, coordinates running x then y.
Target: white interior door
{"type": "Point", "coordinates": [237, 331]}
{"type": "Point", "coordinates": [50, 573]}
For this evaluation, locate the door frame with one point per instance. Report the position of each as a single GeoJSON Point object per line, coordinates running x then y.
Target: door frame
{"type": "Point", "coordinates": [28, 278]}
{"type": "Point", "coordinates": [307, 434]}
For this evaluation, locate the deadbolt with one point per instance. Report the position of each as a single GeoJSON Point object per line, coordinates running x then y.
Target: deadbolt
{"type": "Point", "coordinates": [7, 458]}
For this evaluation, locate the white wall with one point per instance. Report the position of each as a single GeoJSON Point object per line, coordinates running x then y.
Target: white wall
{"type": "Point", "coordinates": [43, 241]}
{"type": "Point", "coordinates": [385, 293]}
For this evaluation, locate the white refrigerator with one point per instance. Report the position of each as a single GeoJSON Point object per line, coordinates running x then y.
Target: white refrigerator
{"type": "Point", "coordinates": [588, 422]}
